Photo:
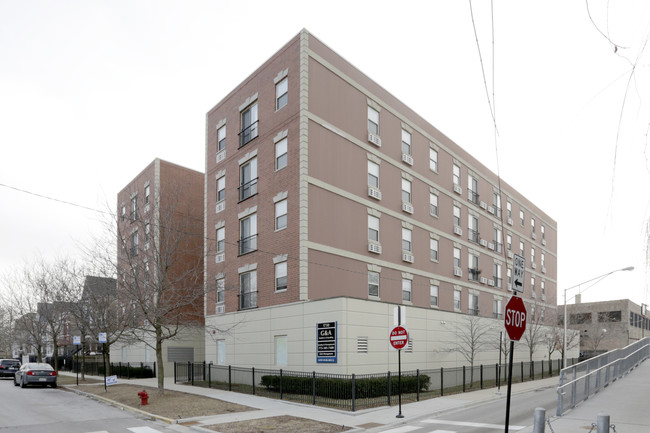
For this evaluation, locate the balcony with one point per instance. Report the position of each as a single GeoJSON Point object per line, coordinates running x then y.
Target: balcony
{"type": "Point", "coordinates": [473, 311]}
{"type": "Point", "coordinates": [247, 134]}
{"type": "Point", "coordinates": [474, 235]}
{"type": "Point", "coordinates": [473, 274]}
{"type": "Point", "coordinates": [247, 189]}
{"type": "Point", "coordinates": [248, 300]}
{"type": "Point", "coordinates": [472, 196]}
{"type": "Point", "coordinates": [247, 245]}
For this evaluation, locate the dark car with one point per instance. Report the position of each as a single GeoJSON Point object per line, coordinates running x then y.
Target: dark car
{"type": "Point", "coordinates": [9, 367]}
{"type": "Point", "coordinates": [35, 373]}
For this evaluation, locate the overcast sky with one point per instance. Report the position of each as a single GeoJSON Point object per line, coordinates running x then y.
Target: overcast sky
{"type": "Point", "coordinates": [93, 91]}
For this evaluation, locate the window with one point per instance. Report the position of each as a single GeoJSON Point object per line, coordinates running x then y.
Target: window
{"type": "Point", "coordinates": [543, 233]}
{"type": "Point", "coordinates": [472, 223]}
{"type": "Point", "coordinates": [433, 295]}
{"type": "Point", "coordinates": [532, 257]}
{"type": "Point", "coordinates": [496, 202]}
{"type": "Point", "coordinates": [248, 179]}
{"type": "Point", "coordinates": [221, 240]}
{"type": "Point", "coordinates": [532, 225]}
{"type": "Point", "coordinates": [456, 175]}
{"type": "Point", "coordinates": [473, 304]}
{"type": "Point", "coordinates": [373, 283]}
{"type": "Point", "coordinates": [280, 350]}
{"type": "Point", "coordinates": [406, 290]}
{"type": "Point", "coordinates": [281, 215]}
{"type": "Point", "coordinates": [147, 192]}
{"type": "Point", "coordinates": [281, 93]}
{"type": "Point", "coordinates": [542, 286]}
{"type": "Point", "coordinates": [509, 209]}
{"type": "Point", "coordinates": [473, 267]}
{"type": "Point", "coordinates": [497, 240]}
{"type": "Point", "coordinates": [221, 189]}
{"type": "Point", "coordinates": [457, 261]}
{"type": "Point", "coordinates": [146, 272]}
{"type": "Point", "coordinates": [134, 208]}
{"type": "Point", "coordinates": [406, 190]}
{"type": "Point", "coordinates": [472, 188]}
{"type": "Point", "coordinates": [433, 160]}
{"type": "Point", "coordinates": [248, 287]}
{"type": "Point", "coordinates": [521, 217]}
{"type": "Point", "coordinates": [433, 246]}
{"type": "Point", "coordinates": [542, 260]}
{"type": "Point", "coordinates": [497, 275]}
{"type": "Point", "coordinates": [123, 213]}
{"type": "Point", "coordinates": [497, 307]}
{"type": "Point", "coordinates": [406, 240]}
{"type": "Point", "coordinates": [248, 234]}
{"type": "Point", "coordinates": [373, 228]}
{"type": "Point", "coordinates": [221, 290]}
{"type": "Point", "coordinates": [373, 121]}
{"type": "Point", "coordinates": [281, 154]}
{"type": "Point", "coordinates": [280, 276]}
{"type": "Point", "coordinates": [248, 124]}
{"type": "Point", "coordinates": [509, 278]}
{"type": "Point", "coordinates": [456, 216]}
{"type": "Point", "coordinates": [221, 138]}
{"type": "Point", "coordinates": [406, 142]}
{"type": "Point", "coordinates": [509, 242]}
{"type": "Point", "coordinates": [373, 174]}
{"type": "Point", "coordinates": [433, 204]}
{"type": "Point", "coordinates": [147, 232]}
{"type": "Point", "coordinates": [457, 300]}
{"type": "Point", "coordinates": [221, 352]}
{"type": "Point", "coordinates": [134, 244]}
{"type": "Point", "coordinates": [532, 285]}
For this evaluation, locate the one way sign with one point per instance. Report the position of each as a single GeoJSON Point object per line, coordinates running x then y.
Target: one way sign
{"type": "Point", "coordinates": [519, 264]}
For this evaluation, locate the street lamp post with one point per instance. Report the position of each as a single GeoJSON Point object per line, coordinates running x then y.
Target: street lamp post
{"type": "Point", "coordinates": [629, 268]}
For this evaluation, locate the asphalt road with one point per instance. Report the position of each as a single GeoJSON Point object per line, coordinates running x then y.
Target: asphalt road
{"type": "Point", "coordinates": [32, 410]}
{"type": "Point", "coordinates": [488, 417]}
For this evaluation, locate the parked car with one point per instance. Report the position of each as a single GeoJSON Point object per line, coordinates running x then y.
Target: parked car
{"type": "Point", "coordinates": [35, 373]}
{"type": "Point", "coordinates": [8, 367]}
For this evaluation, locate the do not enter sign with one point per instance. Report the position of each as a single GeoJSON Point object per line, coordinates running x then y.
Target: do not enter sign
{"type": "Point", "coordinates": [515, 318]}
{"type": "Point", "coordinates": [399, 337]}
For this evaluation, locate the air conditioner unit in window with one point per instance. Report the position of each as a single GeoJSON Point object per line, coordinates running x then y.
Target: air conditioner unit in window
{"type": "Point", "coordinates": [533, 235]}
{"type": "Point", "coordinates": [220, 206]}
{"type": "Point", "coordinates": [490, 282]}
{"type": "Point", "coordinates": [491, 209]}
{"type": "Point", "coordinates": [491, 245]}
{"type": "Point", "coordinates": [534, 266]}
{"type": "Point", "coordinates": [483, 280]}
{"type": "Point", "coordinates": [483, 243]}
{"type": "Point", "coordinates": [374, 193]}
{"type": "Point", "coordinates": [510, 255]}
{"type": "Point", "coordinates": [407, 207]}
{"type": "Point", "coordinates": [458, 189]}
{"type": "Point", "coordinates": [221, 156]}
{"type": "Point", "coordinates": [543, 270]}
{"type": "Point", "coordinates": [407, 158]}
{"type": "Point", "coordinates": [221, 309]}
{"type": "Point", "coordinates": [458, 231]}
{"type": "Point", "coordinates": [407, 257]}
{"type": "Point", "coordinates": [483, 205]}
{"type": "Point", "coordinates": [146, 208]}
{"type": "Point", "coordinates": [374, 139]}
{"type": "Point", "coordinates": [374, 248]}
{"type": "Point", "coordinates": [543, 297]}
{"type": "Point", "coordinates": [544, 242]}
{"type": "Point", "coordinates": [509, 221]}
{"type": "Point", "coordinates": [219, 258]}
{"type": "Point", "coordinates": [458, 272]}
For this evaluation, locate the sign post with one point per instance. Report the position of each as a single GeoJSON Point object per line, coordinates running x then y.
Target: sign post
{"type": "Point", "coordinates": [76, 340]}
{"type": "Point", "coordinates": [102, 339]}
{"type": "Point", "coordinates": [398, 338]}
{"type": "Point", "coordinates": [515, 323]}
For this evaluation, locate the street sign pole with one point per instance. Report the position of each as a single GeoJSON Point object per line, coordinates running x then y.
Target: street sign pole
{"type": "Point", "coordinates": [515, 324]}
{"type": "Point", "coordinates": [399, 367]}
{"type": "Point", "coordinates": [512, 349]}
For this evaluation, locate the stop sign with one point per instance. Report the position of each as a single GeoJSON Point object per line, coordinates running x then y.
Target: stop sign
{"type": "Point", "coordinates": [399, 337]}
{"type": "Point", "coordinates": [515, 318]}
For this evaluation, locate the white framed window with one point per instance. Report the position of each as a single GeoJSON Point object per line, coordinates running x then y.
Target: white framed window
{"type": "Point", "coordinates": [248, 234]}
{"type": "Point", "coordinates": [497, 308]}
{"type": "Point", "coordinates": [433, 246]}
{"type": "Point", "coordinates": [532, 256]}
{"type": "Point", "coordinates": [147, 193]}
{"type": "Point", "coordinates": [532, 225]}
{"type": "Point", "coordinates": [281, 215]}
{"type": "Point", "coordinates": [433, 160]}
{"type": "Point", "coordinates": [406, 290]}
{"type": "Point", "coordinates": [221, 138]}
{"type": "Point", "coordinates": [473, 267]}
{"type": "Point", "coordinates": [248, 124]}
{"type": "Point", "coordinates": [433, 295]}
{"type": "Point", "coordinates": [457, 303]}
{"type": "Point", "coordinates": [281, 154]}
{"type": "Point", "coordinates": [147, 232]}
{"type": "Point", "coordinates": [509, 273]}
{"type": "Point", "coordinates": [509, 209]}
{"type": "Point", "coordinates": [456, 175]}
{"type": "Point", "coordinates": [373, 283]}
{"type": "Point", "coordinates": [521, 217]}
{"type": "Point", "coordinates": [221, 352]}
{"type": "Point", "coordinates": [521, 248]}
{"type": "Point", "coordinates": [497, 275]}
{"type": "Point", "coordinates": [248, 290]}
{"type": "Point", "coordinates": [280, 350]}
{"type": "Point", "coordinates": [456, 216]}
{"type": "Point", "coordinates": [373, 174]}
{"type": "Point", "coordinates": [457, 261]}
{"type": "Point", "coordinates": [433, 204]}
{"type": "Point", "coordinates": [406, 240]}
{"type": "Point", "coordinates": [221, 240]}
{"type": "Point", "coordinates": [280, 276]}
{"type": "Point", "coordinates": [532, 285]}
{"type": "Point", "coordinates": [406, 190]}
{"type": "Point", "coordinates": [496, 202]}
{"type": "Point", "coordinates": [472, 226]}
{"type": "Point", "coordinates": [134, 208]}
{"type": "Point", "coordinates": [543, 231]}
{"type": "Point", "coordinates": [406, 142]}
{"type": "Point", "coordinates": [221, 189]}
{"type": "Point", "coordinates": [134, 244]}
{"type": "Point", "coordinates": [498, 234]}
{"type": "Point", "coordinates": [542, 260]}
{"type": "Point", "coordinates": [221, 290]}
{"type": "Point", "coordinates": [281, 93]}
{"type": "Point", "coordinates": [509, 242]}
{"type": "Point", "coordinates": [248, 179]}
{"type": "Point", "coordinates": [123, 213]}
{"type": "Point", "coordinates": [473, 304]}
{"type": "Point", "coordinates": [373, 121]}
{"type": "Point", "coordinates": [472, 183]}
{"type": "Point", "coordinates": [373, 228]}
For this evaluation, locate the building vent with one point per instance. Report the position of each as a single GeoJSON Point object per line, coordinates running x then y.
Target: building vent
{"type": "Point", "coordinates": [362, 344]}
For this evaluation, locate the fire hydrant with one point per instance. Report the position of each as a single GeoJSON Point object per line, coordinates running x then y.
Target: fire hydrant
{"type": "Point", "coordinates": [144, 397]}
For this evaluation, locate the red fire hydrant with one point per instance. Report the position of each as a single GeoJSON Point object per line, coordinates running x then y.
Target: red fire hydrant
{"type": "Point", "coordinates": [144, 397]}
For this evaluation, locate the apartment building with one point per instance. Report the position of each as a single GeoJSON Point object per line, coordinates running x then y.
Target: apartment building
{"type": "Point", "coordinates": [329, 203]}
{"type": "Point", "coordinates": [160, 265]}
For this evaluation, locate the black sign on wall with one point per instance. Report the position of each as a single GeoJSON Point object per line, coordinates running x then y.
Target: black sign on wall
{"type": "Point", "coordinates": [326, 343]}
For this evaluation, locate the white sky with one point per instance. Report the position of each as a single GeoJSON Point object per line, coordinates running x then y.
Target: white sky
{"type": "Point", "coordinates": [93, 91]}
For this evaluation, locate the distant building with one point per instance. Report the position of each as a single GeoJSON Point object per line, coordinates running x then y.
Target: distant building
{"type": "Point", "coordinates": [605, 325]}
{"type": "Point", "coordinates": [160, 263]}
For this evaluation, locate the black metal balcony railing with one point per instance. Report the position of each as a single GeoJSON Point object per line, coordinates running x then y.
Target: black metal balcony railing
{"type": "Point", "coordinates": [497, 315]}
{"type": "Point", "coordinates": [247, 134]}
{"type": "Point", "coordinates": [474, 235]}
{"type": "Point", "coordinates": [248, 300]}
{"type": "Point", "coordinates": [498, 247]}
{"type": "Point", "coordinates": [473, 196]}
{"type": "Point", "coordinates": [473, 274]}
{"type": "Point", "coordinates": [247, 245]}
{"type": "Point", "coordinates": [497, 282]}
{"type": "Point", "coordinates": [247, 189]}
{"type": "Point", "coordinates": [473, 311]}
{"type": "Point", "coordinates": [134, 215]}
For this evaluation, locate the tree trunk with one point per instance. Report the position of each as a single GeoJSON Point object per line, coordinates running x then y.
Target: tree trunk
{"type": "Point", "coordinates": [160, 371]}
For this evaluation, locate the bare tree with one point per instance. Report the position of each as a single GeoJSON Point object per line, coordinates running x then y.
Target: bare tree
{"type": "Point", "coordinates": [534, 334]}
{"type": "Point", "coordinates": [472, 335]}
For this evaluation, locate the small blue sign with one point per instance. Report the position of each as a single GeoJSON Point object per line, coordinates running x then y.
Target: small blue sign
{"type": "Point", "coordinates": [326, 350]}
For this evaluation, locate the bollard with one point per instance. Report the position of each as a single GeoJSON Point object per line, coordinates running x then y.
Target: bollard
{"type": "Point", "coordinates": [540, 418]}
{"type": "Point", "coordinates": [602, 423]}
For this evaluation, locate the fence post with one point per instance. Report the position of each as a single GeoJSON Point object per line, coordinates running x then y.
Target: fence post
{"type": "Point", "coordinates": [463, 378]}
{"type": "Point", "coordinates": [353, 391]}
{"type": "Point", "coordinates": [203, 378]}
{"type": "Point", "coordinates": [532, 370]}
{"type": "Point", "coordinates": [481, 376]}
{"type": "Point", "coordinates": [230, 378]}
{"type": "Point", "coordinates": [280, 384]}
{"type": "Point", "coordinates": [389, 387]}
{"type": "Point", "coordinates": [190, 367]}
{"type": "Point", "coordinates": [442, 386]}
{"type": "Point", "coordinates": [154, 369]}
{"type": "Point", "coordinates": [313, 387]}
{"type": "Point", "coordinates": [522, 371]}
{"type": "Point", "coordinates": [210, 375]}
{"type": "Point", "coordinates": [417, 373]}
{"type": "Point", "coordinates": [175, 377]}
{"type": "Point", "coordinates": [253, 373]}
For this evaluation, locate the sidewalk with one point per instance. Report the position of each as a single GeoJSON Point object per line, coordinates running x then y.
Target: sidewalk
{"type": "Point", "coordinates": [364, 420]}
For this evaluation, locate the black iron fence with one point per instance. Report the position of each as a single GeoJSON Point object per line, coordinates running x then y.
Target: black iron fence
{"type": "Point", "coordinates": [354, 392]}
{"type": "Point", "coordinates": [123, 370]}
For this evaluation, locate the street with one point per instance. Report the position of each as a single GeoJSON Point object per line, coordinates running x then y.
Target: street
{"type": "Point", "coordinates": [35, 409]}
{"type": "Point", "coordinates": [488, 417]}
